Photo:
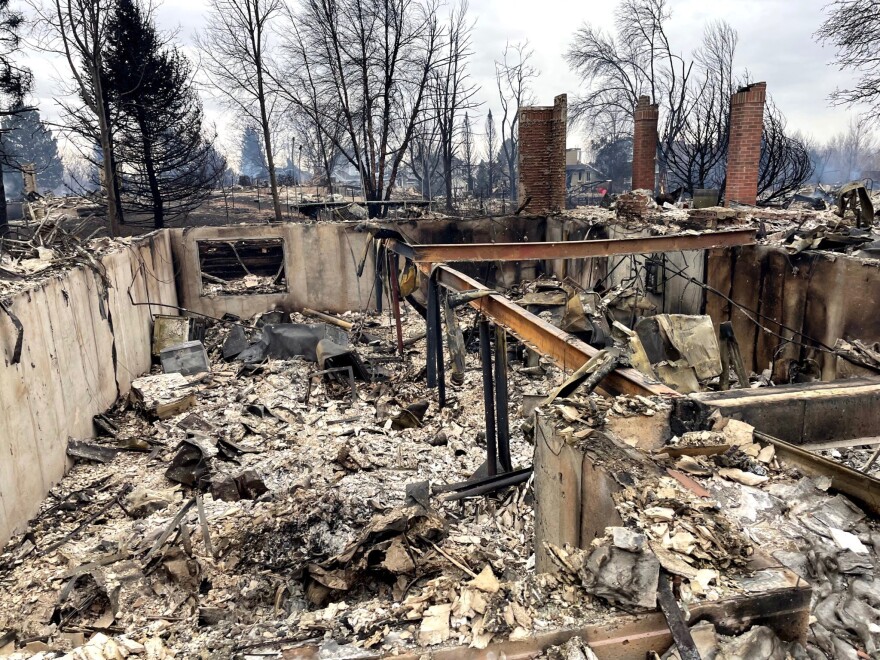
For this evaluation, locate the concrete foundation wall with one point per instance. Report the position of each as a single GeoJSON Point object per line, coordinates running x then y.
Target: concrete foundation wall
{"type": "Point", "coordinates": [321, 261]}
{"type": "Point", "coordinates": [824, 296]}
{"type": "Point", "coordinates": [83, 344]}
{"type": "Point", "coordinates": [805, 413]}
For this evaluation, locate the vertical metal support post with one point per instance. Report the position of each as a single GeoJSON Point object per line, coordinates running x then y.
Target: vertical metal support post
{"type": "Point", "coordinates": [432, 333]}
{"type": "Point", "coordinates": [438, 351]}
{"type": "Point", "coordinates": [395, 297]}
{"type": "Point", "coordinates": [488, 398]}
{"type": "Point", "coordinates": [503, 422]}
{"type": "Point", "coordinates": [377, 282]}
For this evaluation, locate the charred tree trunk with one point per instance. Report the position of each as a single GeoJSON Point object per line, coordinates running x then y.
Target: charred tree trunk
{"type": "Point", "coordinates": [152, 178]}
{"type": "Point", "coordinates": [4, 212]}
{"type": "Point", "coordinates": [106, 142]}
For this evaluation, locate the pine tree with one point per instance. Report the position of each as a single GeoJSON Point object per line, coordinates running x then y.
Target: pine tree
{"type": "Point", "coordinates": [15, 83]}
{"type": "Point", "coordinates": [168, 163]}
{"type": "Point", "coordinates": [253, 157]}
{"type": "Point", "coordinates": [25, 139]}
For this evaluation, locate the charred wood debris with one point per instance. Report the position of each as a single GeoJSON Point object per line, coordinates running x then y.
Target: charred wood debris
{"type": "Point", "coordinates": [288, 482]}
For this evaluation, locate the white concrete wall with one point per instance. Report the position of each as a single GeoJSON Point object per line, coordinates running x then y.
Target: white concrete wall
{"type": "Point", "coordinates": [83, 345]}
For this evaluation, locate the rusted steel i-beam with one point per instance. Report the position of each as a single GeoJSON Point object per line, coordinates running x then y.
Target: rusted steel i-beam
{"type": "Point", "coordinates": [564, 349]}
{"type": "Point", "coordinates": [449, 253]}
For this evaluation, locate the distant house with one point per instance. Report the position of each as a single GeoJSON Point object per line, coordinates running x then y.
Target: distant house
{"type": "Point", "coordinates": [578, 173]}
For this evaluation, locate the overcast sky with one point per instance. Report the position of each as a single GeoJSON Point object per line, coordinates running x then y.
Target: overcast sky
{"type": "Point", "coordinates": [776, 45]}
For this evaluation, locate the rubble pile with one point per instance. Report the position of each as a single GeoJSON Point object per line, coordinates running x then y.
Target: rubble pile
{"type": "Point", "coordinates": [826, 539]}
{"type": "Point", "coordinates": [253, 505]}
{"type": "Point", "coordinates": [49, 246]}
{"type": "Point", "coordinates": [718, 512]}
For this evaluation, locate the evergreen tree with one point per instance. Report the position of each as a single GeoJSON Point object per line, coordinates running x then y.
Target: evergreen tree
{"type": "Point", "coordinates": [15, 83]}
{"type": "Point", "coordinates": [25, 139]}
{"type": "Point", "coordinates": [253, 157]}
{"type": "Point", "coordinates": [168, 163]}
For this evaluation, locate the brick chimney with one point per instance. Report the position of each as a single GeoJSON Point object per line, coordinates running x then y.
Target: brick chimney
{"type": "Point", "coordinates": [645, 144]}
{"type": "Point", "coordinates": [542, 132]}
{"type": "Point", "coordinates": [744, 147]}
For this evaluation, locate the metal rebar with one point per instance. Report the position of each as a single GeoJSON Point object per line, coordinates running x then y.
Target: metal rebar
{"type": "Point", "coordinates": [488, 398]}
{"type": "Point", "coordinates": [503, 422]}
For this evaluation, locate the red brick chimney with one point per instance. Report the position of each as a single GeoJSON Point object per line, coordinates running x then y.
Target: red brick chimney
{"type": "Point", "coordinates": [744, 147]}
{"type": "Point", "coordinates": [645, 144]}
{"type": "Point", "coordinates": [542, 132]}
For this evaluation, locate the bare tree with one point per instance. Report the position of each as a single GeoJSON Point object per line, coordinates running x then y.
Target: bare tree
{"type": "Point", "coordinates": [785, 159]}
{"type": "Point", "coordinates": [616, 71]}
{"type": "Point", "coordinates": [452, 90]}
{"type": "Point", "coordinates": [693, 95]}
{"type": "Point", "coordinates": [513, 75]}
{"type": "Point", "coordinates": [491, 151]}
{"type": "Point", "coordinates": [852, 27]}
{"type": "Point", "coordinates": [845, 155]}
{"type": "Point", "coordinates": [235, 47]}
{"type": "Point", "coordinates": [77, 30]}
{"type": "Point", "coordinates": [693, 154]}
{"type": "Point", "coordinates": [467, 143]}
{"type": "Point", "coordinates": [425, 155]}
{"type": "Point", "coordinates": [322, 154]}
{"type": "Point", "coordinates": [360, 69]}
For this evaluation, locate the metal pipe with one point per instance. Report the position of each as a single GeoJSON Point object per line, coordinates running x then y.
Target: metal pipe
{"type": "Point", "coordinates": [431, 331]}
{"type": "Point", "coordinates": [488, 398]}
{"type": "Point", "coordinates": [488, 485]}
{"type": "Point", "coordinates": [438, 350]}
{"type": "Point", "coordinates": [377, 281]}
{"type": "Point", "coordinates": [395, 297]}
{"type": "Point", "coordinates": [503, 421]}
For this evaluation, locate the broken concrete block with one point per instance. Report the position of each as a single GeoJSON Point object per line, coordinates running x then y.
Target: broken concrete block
{"type": "Point", "coordinates": [646, 432]}
{"type": "Point", "coordinates": [188, 358]}
{"type": "Point", "coordinates": [435, 625]}
{"type": "Point", "coordinates": [486, 581]}
{"type": "Point", "coordinates": [626, 538]}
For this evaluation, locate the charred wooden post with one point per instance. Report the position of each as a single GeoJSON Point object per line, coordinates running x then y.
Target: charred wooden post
{"type": "Point", "coordinates": [730, 352]}
{"type": "Point", "coordinates": [456, 342]}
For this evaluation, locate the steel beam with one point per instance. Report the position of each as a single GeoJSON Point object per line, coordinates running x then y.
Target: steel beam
{"type": "Point", "coordinates": [450, 253]}
{"type": "Point", "coordinates": [564, 349]}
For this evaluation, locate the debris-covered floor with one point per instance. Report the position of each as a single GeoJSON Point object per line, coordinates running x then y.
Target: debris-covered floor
{"type": "Point", "coordinates": [321, 539]}
{"type": "Point", "coordinates": [316, 528]}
